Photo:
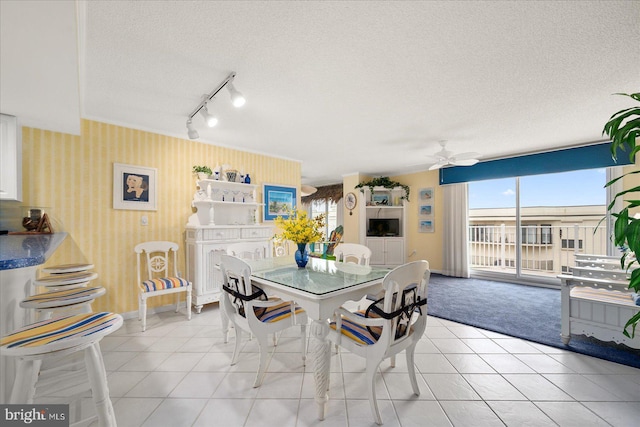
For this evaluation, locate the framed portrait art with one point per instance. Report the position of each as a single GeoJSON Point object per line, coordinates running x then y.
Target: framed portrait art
{"type": "Point", "coordinates": [278, 200]}
{"type": "Point", "coordinates": [134, 187]}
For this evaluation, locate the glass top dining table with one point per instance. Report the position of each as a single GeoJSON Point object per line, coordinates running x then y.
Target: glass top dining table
{"type": "Point", "coordinates": [319, 277]}
{"type": "Point", "coordinates": [320, 288]}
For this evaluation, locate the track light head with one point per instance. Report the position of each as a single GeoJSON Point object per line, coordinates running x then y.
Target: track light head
{"type": "Point", "coordinates": [193, 133]}
{"type": "Point", "coordinates": [236, 97]}
{"type": "Point", "coordinates": [209, 119]}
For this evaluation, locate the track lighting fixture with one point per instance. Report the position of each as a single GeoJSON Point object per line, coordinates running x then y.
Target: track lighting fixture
{"type": "Point", "coordinates": [209, 119]}
{"type": "Point", "coordinates": [193, 133]}
{"type": "Point", "coordinates": [236, 98]}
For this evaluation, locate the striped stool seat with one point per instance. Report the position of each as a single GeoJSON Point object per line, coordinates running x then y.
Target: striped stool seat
{"type": "Point", "coordinates": [62, 298]}
{"type": "Point", "coordinates": [163, 283]}
{"type": "Point", "coordinates": [57, 334]}
{"type": "Point", "coordinates": [69, 280]}
{"type": "Point", "coordinates": [66, 268]}
{"type": "Point", "coordinates": [52, 338]}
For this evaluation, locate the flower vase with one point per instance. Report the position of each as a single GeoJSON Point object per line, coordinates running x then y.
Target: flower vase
{"type": "Point", "coordinates": [301, 255]}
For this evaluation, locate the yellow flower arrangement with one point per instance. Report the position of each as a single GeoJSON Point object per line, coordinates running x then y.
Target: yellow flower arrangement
{"type": "Point", "coordinates": [300, 228]}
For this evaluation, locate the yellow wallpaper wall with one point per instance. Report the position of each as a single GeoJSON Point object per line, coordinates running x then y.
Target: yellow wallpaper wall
{"type": "Point", "coordinates": [72, 178]}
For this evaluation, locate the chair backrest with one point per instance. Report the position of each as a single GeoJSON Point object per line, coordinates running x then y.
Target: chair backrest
{"type": "Point", "coordinates": [236, 277]}
{"type": "Point", "coordinates": [249, 250]}
{"type": "Point", "coordinates": [160, 260]}
{"type": "Point", "coordinates": [405, 289]}
{"type": "Point", "coordinates": [280, 247]}
{"type": "Point", "coordinates": [352, 252]}
{"type": "Point", "coordinates": [334, 238]}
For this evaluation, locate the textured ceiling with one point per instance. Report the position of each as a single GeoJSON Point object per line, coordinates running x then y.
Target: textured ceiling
{"type": "Point", "coordinates": [366, 86]}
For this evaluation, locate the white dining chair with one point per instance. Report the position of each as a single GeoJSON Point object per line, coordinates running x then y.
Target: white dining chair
{"type": "Point", "coordinates": [250, 250]}
{"type": "Point", "coordinates": [250, 310]}
{"type": "Point", "coordinates": [388, 326]}
{"type": "Point", "coordinates": [158, 275]}
{"type": "Point", "coordinates": [352, 252]}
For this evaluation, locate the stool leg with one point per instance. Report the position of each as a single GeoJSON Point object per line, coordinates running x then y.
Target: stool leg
{"type": "Point", "coordinates": [99, 387]}
{"type": "Point", "coordinates": [24, 385]}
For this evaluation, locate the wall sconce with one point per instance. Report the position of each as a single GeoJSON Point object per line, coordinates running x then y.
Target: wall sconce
{"type": "Point", "coordinates": [236, 98]}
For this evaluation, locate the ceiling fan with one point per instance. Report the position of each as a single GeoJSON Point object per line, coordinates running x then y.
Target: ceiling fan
{"type": "Point", "coordinates": [445, 157]}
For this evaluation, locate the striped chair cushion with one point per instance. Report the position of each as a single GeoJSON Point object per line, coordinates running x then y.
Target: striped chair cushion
{"type": "Point", "coordinates": [163, 283]}
{"type": "Point", "coordinates": [53, 332]}
{"type": "Point", "coordinates": [276, 313]}
{"type": "Point", "coordinates": [357, 332]}
{"type": "Point", "coordinates": [62, 298]}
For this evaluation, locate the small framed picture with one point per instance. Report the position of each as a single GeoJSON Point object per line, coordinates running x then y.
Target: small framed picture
{"type": "Point", "coordinates": [426, 210]}
{"type": "Point", "coordinates": [381, 199]}
{"type": "Point", "coordinates": [278, 200]}
{"type": "Point", "coordinates": [425, 194]}
{"type": "Point", "coordinates": [426, 226]}
{"type": "Point", "coordinates": [134, 187]}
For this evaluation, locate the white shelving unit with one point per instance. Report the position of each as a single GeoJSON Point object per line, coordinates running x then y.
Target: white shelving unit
{"type": "Point", "coordinates": [227, 212]}
{"type": "Point", "coordinates": [386, 239]}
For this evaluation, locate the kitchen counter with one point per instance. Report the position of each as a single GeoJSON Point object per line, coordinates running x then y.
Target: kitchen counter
{"type": "Point", "coordinates": [27, 250]}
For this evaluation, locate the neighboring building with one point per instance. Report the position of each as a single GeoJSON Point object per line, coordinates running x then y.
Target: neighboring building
{"type": "Point", "coordinates": [549, 237]}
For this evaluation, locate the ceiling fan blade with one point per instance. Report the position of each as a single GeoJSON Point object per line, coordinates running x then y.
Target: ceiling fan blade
{"type": "Point", "coordinates": [463, 162]}
{"type": "Point", "coordinates": [467, 156]}
{"type": "Point", "coordinates": [434, 159]}
{"type": "Point", "coordinates": [436, 166]}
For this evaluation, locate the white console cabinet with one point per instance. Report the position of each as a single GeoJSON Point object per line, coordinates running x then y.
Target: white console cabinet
{"type": "Point", "coordinates": [388, 251]}
{"type": "Point", "coordinates": [227, 212]}
{"type": "Point", "coordinates": [383, 225]}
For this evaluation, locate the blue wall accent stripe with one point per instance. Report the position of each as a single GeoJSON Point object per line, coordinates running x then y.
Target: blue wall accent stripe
{"type": "Point", "coordinates": [588, 157]}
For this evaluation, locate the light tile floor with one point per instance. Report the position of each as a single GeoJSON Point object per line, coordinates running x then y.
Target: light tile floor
{"type": "Point", "coordinates": [177, 373]}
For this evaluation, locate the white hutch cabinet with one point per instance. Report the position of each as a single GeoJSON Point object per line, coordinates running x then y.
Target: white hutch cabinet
{"type": "Point", "coordinates": [383, 225]}
{"type": "Point", "coordinates": [227, 212]}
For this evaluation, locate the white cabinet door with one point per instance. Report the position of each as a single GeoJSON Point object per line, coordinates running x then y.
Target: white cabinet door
{"type": "Point", "coordinates": [377, 251]}
{"type": "Point", "coordinates": [394, 251]}
{"type": "Point", "coordinates": [387, 251]}
{"type": "Point", "coordinates": [10, 159]}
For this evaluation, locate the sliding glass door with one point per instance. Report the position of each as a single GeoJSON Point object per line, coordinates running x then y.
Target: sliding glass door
{"type": "Point", "coordinates": [530, 227]}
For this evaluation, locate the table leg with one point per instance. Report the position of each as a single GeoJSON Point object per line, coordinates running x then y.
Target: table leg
{"type": "Point", "coordinates": [322, 363]}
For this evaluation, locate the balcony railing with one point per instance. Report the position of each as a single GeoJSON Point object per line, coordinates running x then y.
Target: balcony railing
{"type": "Point", "coordinates": [546, 250]}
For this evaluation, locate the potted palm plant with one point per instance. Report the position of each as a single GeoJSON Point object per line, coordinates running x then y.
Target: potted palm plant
{"type": "Point", "coordinates": [624, 129]}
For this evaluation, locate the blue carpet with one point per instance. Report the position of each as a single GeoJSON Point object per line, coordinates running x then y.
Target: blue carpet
{"type": "Point", "coordinates": [520, 311]}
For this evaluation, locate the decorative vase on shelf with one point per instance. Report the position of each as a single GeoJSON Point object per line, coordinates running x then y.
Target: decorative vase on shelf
{"type": "Point", "coordinates": [302, 255]}
{"type": "Point", "coordinates": [247, 179]}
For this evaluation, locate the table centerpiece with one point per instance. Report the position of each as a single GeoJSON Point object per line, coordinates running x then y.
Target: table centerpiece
{"type": "Point", "coordinates": [301, 229]}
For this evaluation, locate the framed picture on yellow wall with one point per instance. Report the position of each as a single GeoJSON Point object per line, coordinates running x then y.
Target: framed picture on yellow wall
{"type": "Point", "coordinates": [426, 211]}
{"type": "Point", "coordinates": [278, 201]}
{"type": "Point", "coordinates": [134, 187]}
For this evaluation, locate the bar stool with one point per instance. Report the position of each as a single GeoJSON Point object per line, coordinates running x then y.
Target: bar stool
{"type": "Point", "coordinates": [66, 268]}
{"type": "Point", "coordinates": [66, 280]}
{"type": "Point", "coordinates": [73, 300]}
{"type": "Point", "coordinates": [34, 343]}
{"type": "Point", "coordinates": [67, 291]}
